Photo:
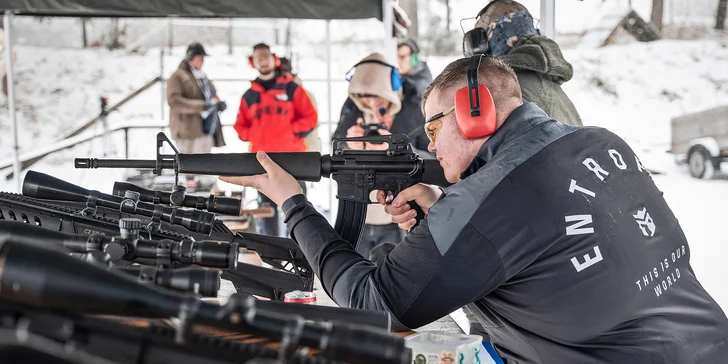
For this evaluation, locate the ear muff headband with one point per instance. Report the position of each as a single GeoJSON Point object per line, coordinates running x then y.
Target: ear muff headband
{"type": "Point", "coordinates": [396, 79]}
{"type": "Point", "coordinates": [474, 107]}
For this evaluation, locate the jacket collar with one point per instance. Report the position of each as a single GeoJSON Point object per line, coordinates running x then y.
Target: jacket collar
{"type": "Point", "coordinates": [521, 120]}
{"type": "Point", "coordinates": [184, 66]}
{"type": "Point", "coordinates": [282, 79]}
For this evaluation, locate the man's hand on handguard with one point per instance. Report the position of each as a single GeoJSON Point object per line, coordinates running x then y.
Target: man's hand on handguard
{"type": "Point", "coordinates": [402, 214]}
{"type": "Point", "coordinates": [277, 184]}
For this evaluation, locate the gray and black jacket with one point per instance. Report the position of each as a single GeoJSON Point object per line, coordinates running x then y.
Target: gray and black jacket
{"type": "Point", "coordinates": [558, 240]}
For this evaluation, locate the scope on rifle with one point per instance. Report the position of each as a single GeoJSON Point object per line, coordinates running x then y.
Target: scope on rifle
{"type": "Point", "coordinates": [40, 185]}
{"type": "Point", "coordinates": [129, 247]}
{"type": "Point", "coordinates": [60, 282]}
{"type": "Point", "coordinates": [223, 205]}
{"type": "Point", "coordinates": [205, 282]}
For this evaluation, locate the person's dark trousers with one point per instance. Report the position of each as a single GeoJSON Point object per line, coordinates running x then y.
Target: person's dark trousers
{"type": "Point", "coordinates": [374, 235]}
{"type": "Point", "coordinates": [270, 225]}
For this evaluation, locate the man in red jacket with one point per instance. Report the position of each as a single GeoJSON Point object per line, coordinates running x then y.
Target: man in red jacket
{"type": "Point", "coordinates": [275, 115]}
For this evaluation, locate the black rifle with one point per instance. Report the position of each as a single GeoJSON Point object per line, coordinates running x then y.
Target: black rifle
{"type": "Point", "coordinates": [357, 172]}
{"type": "Point", "coordinates": [108, 252]}
{"type": "Point", "coordinates": [280, 253]}
{"type": "Point", "coordinates": [223, 205]}
{"type": "Point", "coordinates": [247, 278]}
{"type": "Point", "coordinates": [60, 282]}
{"type": "Point", "coordinates": [129, 247]}
{"type": "Point", "coordinates": [33, 335]}
{"type": "Point", "coordinates": [40, 185]}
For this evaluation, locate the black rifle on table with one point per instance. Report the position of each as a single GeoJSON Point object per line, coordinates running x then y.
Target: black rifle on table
{"type": "Point", "coordinates": [118, 253]}
{"type": "Point", "coordinates": [357, 172]}
{"type": "Point", "coordinates": [46, 278]}
{"type": "Point", "coordinates": [33, 335]}
{"type": "Point", "coordinates": [280, 253]}
{"type": "Point", "coordinates": [248, 278]}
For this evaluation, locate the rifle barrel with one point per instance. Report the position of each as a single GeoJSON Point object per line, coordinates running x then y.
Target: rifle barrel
{"type": "Point", "coordinates": [93, 163]}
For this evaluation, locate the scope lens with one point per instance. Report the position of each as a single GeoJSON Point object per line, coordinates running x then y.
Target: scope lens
{"type": "Point", "coordinates": [197, 221]}
{"type": "Point", "coordinates": [224, 205]}
{"type": "Point", "coordinates": [203, 281]}
{"type": "Point", "coordinates": [212, 254]}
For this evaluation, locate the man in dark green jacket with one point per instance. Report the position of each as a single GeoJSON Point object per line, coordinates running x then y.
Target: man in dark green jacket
{"type": "Point", "coordinates": [505, 29]}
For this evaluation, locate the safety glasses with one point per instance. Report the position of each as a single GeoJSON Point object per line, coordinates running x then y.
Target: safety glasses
{"type": "Point", "coordinates": [434, 124]}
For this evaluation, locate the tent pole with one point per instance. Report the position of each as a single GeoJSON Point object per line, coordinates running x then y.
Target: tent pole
{"type": "Point", "coordinates": [11, 95]}
{"type": "Point", "coordinates": [548, 19]}
{"type": "Point", "coordinates": [390, 45]}
{"type": "Point", "coordinates": [331, 118]}
{"type": "Point", "coordinates": [161, 82]}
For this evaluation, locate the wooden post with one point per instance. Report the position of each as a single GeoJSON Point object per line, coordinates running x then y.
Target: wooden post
{"type": "Point", "coordinates": [657, 11]}
{"type": "Point", "coordinates": [721, 14]}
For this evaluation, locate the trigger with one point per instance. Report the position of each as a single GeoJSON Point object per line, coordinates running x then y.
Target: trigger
{"type": "Point", "coordinates": [390, 197]}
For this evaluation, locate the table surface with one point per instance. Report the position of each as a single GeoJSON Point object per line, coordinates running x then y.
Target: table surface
{"type": "Point", "coordinates": [446, 323]}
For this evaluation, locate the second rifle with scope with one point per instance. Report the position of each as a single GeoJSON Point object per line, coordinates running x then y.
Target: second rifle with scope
{"type": "Point", "coordinates": [66, 216]}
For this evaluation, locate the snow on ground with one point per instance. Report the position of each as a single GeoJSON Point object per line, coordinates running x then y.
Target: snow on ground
{"type": "Point", "coordinates": [631, 89]}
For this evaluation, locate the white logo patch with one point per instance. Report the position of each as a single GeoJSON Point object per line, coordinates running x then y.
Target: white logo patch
{"type": "Point", "coordinates": [644, 220]}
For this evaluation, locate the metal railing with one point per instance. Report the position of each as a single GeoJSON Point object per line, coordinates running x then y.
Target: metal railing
{"type": "Point", "coordinates": [73, 141]}
{"type": "Point", "coordinates": [29, 158]}
{"type": "Point", "coordinates": [26, 163]}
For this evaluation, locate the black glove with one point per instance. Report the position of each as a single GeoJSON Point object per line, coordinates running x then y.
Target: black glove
{"type": "Point", "coordinates": [221, 106]}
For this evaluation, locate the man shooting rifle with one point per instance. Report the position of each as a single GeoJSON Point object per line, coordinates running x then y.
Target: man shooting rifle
{"type": "Point", "coordinates": [555, 236]}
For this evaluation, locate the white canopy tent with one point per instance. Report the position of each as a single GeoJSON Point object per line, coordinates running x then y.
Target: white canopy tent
{"type": "Point", "coordinates": [330, 9]}
{"type": "Point", "coordinates": [294, 9]}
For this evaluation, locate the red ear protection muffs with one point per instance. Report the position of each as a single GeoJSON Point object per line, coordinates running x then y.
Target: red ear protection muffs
{"type": "Point", "coordinates": [276, 61]}
{"type": "Point", "coordinates": [474, 107]}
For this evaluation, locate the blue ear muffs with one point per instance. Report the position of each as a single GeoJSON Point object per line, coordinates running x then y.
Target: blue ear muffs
{"type": "Point", "coordinates": [396, 78]}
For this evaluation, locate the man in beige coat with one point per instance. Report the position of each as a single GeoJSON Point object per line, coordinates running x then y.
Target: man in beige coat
{"type": "Point", "coordinates": [194, 106]}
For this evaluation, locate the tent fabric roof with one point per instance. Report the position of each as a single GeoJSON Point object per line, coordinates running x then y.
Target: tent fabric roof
{"type": "Point", "coordinates": [293, 9]}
